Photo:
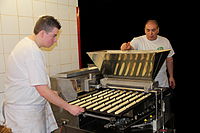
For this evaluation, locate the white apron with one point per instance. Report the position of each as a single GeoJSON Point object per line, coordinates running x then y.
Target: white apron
{"type": "Point", "coordinates": [18, 118]}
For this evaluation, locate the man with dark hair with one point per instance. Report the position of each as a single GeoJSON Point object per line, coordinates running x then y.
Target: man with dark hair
{"type": "Point", "coordinates": [152, 41]}
{"type": "Point", "coordinates": [27, 86]}
{"type": "Point", "coordinates": [46, 23]}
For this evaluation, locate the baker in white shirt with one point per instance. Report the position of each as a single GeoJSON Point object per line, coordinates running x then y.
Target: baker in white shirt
{"type": "Point", "coordinates": [27, 86]}
{"type": "Point", "coordinates": [152, 41]}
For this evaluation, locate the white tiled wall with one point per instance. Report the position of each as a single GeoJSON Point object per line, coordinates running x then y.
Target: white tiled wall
{"type": "Point", "coordinates": [17, 18]}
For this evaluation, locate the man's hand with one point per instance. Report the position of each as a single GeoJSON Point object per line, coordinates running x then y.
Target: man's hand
{"type": "Point", "coordinates": [126, 46]}
{"type": "Point", "coordinates": [172, 83]}
{"type": "Point", "coordinates": [75, 110]}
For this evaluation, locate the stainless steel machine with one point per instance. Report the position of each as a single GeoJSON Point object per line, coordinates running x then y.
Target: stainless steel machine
{"type": "Point", "coordinates": [125, 97]}
{"type": "Point", "coordinates": [70, 85]}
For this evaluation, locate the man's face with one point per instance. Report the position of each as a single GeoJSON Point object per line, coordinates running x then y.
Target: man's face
{"type": "Point", "coordinates": [50, 38]}
{"type": "Point", "coordinates": [151, 31]}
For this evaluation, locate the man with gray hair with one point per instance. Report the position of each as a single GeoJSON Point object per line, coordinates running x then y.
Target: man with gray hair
{"type": "Point", "coordinates": [152, 41]}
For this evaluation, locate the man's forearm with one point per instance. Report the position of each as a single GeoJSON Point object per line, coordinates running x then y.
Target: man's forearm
{"type": "Point", "coordinates": [51, 96]}
{"type": "Point", "coordinates": [170, 67]}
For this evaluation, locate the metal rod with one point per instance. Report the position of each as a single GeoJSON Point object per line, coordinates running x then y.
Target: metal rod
{"type": "Point", "coordinates": [97, 116]}
{"type": "Point", "coordinates": [156, 105]}
{"type": "Point", "coordinates": [141, 125]}
{"type": "Point", "coordinates": [162, 109]}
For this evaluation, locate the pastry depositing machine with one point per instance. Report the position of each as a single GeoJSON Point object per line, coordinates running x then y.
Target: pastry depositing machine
{"type": "Point", "coordinates": [125, 97]}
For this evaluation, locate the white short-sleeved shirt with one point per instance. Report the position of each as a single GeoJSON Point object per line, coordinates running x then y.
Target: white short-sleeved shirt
{"type": "Point", "coordinates": [25, 69]}
{"type": "Point", "coordinates": [142, 43]}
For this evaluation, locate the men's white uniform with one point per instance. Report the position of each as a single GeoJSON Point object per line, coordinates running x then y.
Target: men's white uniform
{"type": "Point", "coordinates": [26, 68]}
{"type": "Point", "coordinates": [142, 43]}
